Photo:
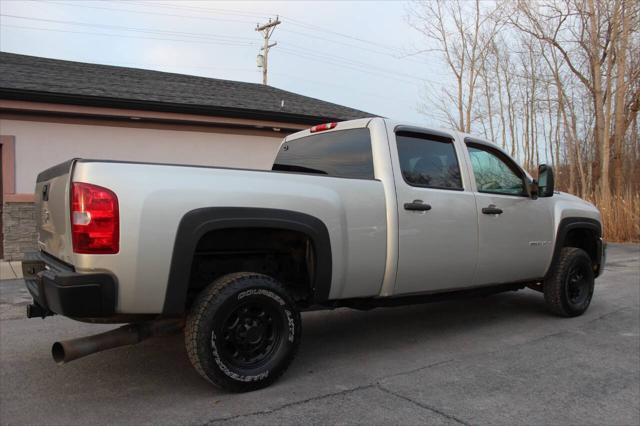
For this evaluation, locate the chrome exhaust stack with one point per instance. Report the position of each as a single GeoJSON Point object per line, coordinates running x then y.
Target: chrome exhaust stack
{"type": "Point", "coordinates": [130, 334]}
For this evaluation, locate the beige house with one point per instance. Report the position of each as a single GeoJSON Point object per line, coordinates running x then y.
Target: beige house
{"type": "Point", "coordinates": [53, 110]}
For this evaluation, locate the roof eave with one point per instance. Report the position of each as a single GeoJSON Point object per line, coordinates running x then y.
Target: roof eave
{"type": "Point", "coordinates": [100, 101]}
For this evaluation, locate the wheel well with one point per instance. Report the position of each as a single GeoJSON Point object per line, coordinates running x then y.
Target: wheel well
{"type": "Point", "coordinates": [283, 254]}
{"type": "Point", "coordinates": [585, 239]}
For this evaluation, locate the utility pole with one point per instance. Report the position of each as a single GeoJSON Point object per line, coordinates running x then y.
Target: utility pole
{"type": "Point", "coordinates": [266, 30]}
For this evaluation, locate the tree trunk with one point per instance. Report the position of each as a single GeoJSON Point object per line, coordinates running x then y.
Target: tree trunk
{"type": "Point", "coordinates": [621, 91]}
{"type": "Point", "coordinates": [598, 101]}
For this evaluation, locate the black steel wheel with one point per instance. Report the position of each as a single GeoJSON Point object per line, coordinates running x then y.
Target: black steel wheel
{"type": "Point", "coordinates": [250, 334]}
{"type": "Point", "coordinates": [577, 286]}
{"type": "Point", "coordinates": [569, 287]}
{"type": "Point", "coordinates": [243, 331]}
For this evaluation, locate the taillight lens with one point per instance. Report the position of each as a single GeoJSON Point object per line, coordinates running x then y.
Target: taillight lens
{"type": "Point", "coordinates": [95, 219]}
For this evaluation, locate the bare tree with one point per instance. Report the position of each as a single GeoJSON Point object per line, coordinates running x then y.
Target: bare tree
{"type": "Point", "coordinates": [557, 80]}
{"type": "Point", "coordinates": [462, 35]}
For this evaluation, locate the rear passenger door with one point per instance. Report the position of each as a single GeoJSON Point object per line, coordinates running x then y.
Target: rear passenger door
{"type": "Point", "coordinates": [437, 218]}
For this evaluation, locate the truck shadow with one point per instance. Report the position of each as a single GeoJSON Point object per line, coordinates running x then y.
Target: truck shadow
{"type": "Point", "coordinates": [395, 328]}
{"type": "Point", "coordinates": [330, 339]}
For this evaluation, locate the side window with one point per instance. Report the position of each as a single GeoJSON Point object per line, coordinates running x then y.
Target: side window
{"type": "Point", "coordinates": [494, 174]}
{"type": "Point", "coordinates": [345, 153]}
{"type": "Point", "coordinates": [428, 161]}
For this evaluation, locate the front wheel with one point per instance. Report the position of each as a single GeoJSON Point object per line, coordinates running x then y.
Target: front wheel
{"type": "Point", "coordinates": [242, 331]}
{"type": "Point", "coordinates": [569, 287]}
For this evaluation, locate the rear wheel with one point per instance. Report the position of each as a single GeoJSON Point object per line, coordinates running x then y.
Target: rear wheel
{"type": "Point", "coordinates": [569, 287]}
{"type": "Point", "coordinates": [242, 332]}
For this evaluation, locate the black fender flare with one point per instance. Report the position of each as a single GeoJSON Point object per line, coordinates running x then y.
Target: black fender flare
{"type": "Point", "coordinates": [569, 223]}
{"type": "Point", "coordinates": [196, 223]}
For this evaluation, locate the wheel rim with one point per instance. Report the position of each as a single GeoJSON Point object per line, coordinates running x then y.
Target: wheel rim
{"type": "Point", "coordinates": [251, 333]}
{"type": "Point", "coordinates": [577, 287]}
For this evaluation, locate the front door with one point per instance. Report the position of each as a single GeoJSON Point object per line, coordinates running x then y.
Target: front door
{"type": "Point", "coordinates": [437, 217]}
{"type": "Point", "coordinates": [515, 231]}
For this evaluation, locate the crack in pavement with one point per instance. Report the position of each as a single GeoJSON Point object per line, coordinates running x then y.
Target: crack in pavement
{"type": "Point", "coordinates": [291, 404]}
{"type": "Point", "coordinates": [423, 406]}
{"type": "Point", "coordinates": [343, 392]}
{"type": "Point", "coordinates": [378, 385]}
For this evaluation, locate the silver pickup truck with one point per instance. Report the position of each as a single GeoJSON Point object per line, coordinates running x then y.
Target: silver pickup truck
{"type": "Point", "coordinates": [361, 214]}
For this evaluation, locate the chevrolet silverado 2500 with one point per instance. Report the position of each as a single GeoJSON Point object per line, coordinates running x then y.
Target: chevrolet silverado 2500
{"type": "Point", "coordinates": [359, 214]}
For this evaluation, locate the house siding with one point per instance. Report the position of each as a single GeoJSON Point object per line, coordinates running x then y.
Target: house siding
{"type": "Point", "coordinates": [40, 144]}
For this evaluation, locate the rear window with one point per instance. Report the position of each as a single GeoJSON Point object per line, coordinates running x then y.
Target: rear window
{"type": "Point", "coordinates": [346, 154]}
{"type": "Point", "coordinates": [428, 161]}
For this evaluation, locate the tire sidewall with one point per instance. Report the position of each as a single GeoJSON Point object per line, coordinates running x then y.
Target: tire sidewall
{"type": "Point", "coordinates": [581, 259]}
{"type": "Point", "coordinates": [257, 290]}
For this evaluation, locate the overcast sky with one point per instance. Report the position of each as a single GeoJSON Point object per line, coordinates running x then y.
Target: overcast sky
{"type": "Point", "coordinates": [356, 54]}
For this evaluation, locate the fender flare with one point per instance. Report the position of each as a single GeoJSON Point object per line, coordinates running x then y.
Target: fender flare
{"type": "Point", "coordinates": [567, 224]}
{"type": "Point", "coordinates": [196, 223]}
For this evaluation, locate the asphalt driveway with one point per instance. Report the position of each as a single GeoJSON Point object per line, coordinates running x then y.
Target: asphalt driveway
{"type": "Point", "coordinates": [496, 360]}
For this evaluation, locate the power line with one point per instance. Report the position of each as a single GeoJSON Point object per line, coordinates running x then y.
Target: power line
{"type": "Point", "coordinates": [127, 64]}
{"type": "Point", "coordinates": [342, 64]}
{"type": "Point", "coordinates": [366, 49]}
{"type": "Point", "coordinates": [115, 9]}
{"type": "Point", "coordinates": [388, 49]}
{"type": "Point", "coordinates": [387, 52]}
{"type": "Point", "coordinates": [365, 65]}
{"type": "Point", "coordinates": [125, 36]}
{"type": "Point", "coordinates": [294, 21]}
{"type": "Point", "coordinates": [229, 40]}
{"type": "Point", "coordinates": [376, 95]}
{"type": "Point", "coordinates": [132, 29]}
{"type": "Point", "coordinates": [205, 9]}
{"type": "Point", "coordinates": [335, 61]}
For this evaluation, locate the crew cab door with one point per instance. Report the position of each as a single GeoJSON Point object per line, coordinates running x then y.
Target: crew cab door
{"type": "Point", "coordinates": [437, 220]}
{"type": "Point", "coordinates": [515, 231]}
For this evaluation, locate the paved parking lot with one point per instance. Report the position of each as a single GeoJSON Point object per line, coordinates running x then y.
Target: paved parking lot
{"type": "Point", "coordinates": [497, 360]}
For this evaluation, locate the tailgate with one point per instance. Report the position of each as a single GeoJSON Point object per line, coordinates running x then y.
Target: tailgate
{"type": "Point", "coordinates": [52, 210]}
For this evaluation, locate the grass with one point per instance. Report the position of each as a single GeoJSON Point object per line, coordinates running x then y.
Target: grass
{"type": "Point", "coordinates": [620, 215]}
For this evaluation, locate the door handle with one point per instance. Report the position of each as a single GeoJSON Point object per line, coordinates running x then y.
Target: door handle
{"type": "Point", "coordinates": [417, 205]}
{"type": "Point", "coordinates": [492, 209]}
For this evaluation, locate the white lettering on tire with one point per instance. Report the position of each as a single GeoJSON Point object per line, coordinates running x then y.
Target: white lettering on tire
{"type": "Point", "coordinates": [229, 373]}
{"type": "Point", "coordinates": [292, 325]}
{"type": "Point", "coordinates": [262, 292]}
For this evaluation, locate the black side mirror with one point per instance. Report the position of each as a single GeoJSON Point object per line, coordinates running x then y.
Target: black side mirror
{"type": "Point", "coordinates": [533, 189]}
{"type": "Point", "coordinates": [545, 181]}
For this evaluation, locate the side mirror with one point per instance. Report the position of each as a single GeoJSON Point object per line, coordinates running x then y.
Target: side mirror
{"type": "Point", "coordinates": [533, 189]}
{"type": "Point", "coordinates": [545, 181]}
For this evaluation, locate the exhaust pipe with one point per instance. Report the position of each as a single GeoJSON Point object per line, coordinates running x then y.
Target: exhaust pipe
{"type": "Point", "coordinates": [130, 334]}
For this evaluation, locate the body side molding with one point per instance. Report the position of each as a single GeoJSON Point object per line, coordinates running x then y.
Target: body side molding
{"type": "Point", "coordinates": [196, 223]}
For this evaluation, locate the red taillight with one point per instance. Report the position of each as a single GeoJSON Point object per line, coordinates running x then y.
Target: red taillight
{"type": "Point", "coordinates": [95, 219]}
{"type": "Point", "coordinates": [321, 127]}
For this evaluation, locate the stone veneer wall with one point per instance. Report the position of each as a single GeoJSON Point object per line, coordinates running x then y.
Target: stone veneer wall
{"type": "Point", "coordinates": [19, 222]}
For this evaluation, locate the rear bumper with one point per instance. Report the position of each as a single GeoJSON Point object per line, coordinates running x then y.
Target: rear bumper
{"type": "Point", "coordinates": [57, 288]}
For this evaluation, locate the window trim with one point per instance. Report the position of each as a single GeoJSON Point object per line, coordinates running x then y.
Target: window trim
{"type": "Point", "coordinates": [418, 133]}
{"type": "Point", "coordinates": [511, 164]}
{"type": "Point", "coordinates": [286, 141]}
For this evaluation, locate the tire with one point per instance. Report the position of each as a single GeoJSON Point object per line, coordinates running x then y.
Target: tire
{"type": "Point", "coordinates": [242, 332]}
{"type": "Point", "coordinates": [569, 287]}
